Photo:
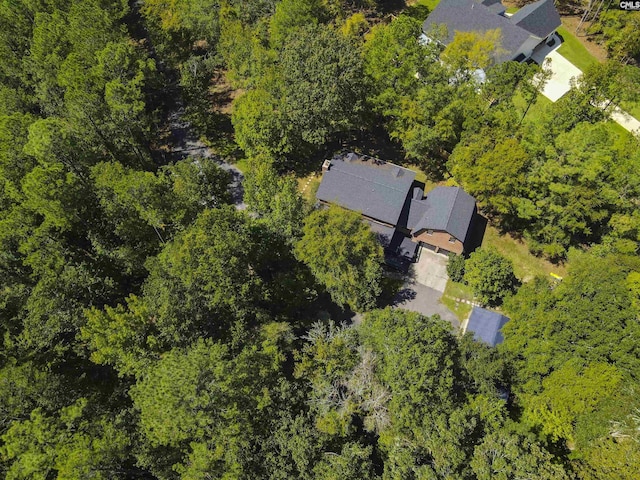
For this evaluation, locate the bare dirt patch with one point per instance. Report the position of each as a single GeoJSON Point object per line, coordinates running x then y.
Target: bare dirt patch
{"type": "Point", "coordinates": [223, 94]}
{"type": "Point", "coordinates": [570, 22]}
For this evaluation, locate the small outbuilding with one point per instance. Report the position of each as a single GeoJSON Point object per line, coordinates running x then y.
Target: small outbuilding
{"type": "Point", "coordinates": [486, 326]}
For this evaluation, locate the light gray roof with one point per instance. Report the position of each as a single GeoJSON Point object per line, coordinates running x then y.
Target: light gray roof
{"type": "Point", "coordinates": [375, 188]}
{"type": "Point", "coordinates": [448, 209]}
{"type": "Point", "coordinates": [486, 325]}
{"type": "Point", "coordinates": [475, 16]}
{"type": "Point", "coordinates": [540, 18]}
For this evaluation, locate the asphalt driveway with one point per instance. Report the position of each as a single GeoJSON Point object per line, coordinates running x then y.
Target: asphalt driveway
{"type": "Point", "coordinates": [425, 300]}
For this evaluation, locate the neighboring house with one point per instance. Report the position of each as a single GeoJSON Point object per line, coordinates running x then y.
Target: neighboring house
{"type": "Point", "coordinates": [393, 203]}
{"type": "Point", "coordinates": [529, 27]}
{"type": "Point", "coordinates": [486, 326]}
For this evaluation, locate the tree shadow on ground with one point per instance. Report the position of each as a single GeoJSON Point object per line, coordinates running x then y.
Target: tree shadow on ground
{"type": "Point", "coordinates": [406, 294]}
{"type": "Point", "coordinates": [418, 11]}
{"type": "Point", "coordinates": [322, 309]}
{"type": "Point", "coordinates": [391, 6]}
{"type": "Point", "coordinates": [392, 288]}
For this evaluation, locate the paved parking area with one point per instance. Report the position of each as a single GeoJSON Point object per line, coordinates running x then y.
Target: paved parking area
{"type": "Point", "coordinates": [423, 286]}
{"type": "Point", "coordinates": [562, 71]}
{"type": "Point", "coordinates": [425, 300]}
{"type": "Point", "coordinates": [430, 270]}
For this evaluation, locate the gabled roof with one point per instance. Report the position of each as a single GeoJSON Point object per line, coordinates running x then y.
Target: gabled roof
{"type": "Point", "coordinates": [472, 16]}
{"type": "Point", "coordinates": [403, 247]}
{"type": "Point", "coordinates": [540, 18]}
{"type": "Point", "coordinates": [448, 209]}
{"type": "Point", "coordinates": [375, 188]}
{"type": "Point", "coordinates": [486, 325]}
{"type": "Point", "coordinates": [417, 211]}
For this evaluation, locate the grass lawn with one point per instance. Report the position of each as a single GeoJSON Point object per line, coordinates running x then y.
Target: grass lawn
{"type": "Point", "coordinates": [614, 127]}
{"type": "Point", "coordinates": [309, 186]}
{"type": "Point", "coordinates": [421, 177]}
{"type": "Point", "coordinates": [242, 165]}
{"type": "Point", "coordinates": [457, 290]}
{"type": "Point", "coordinates": [525, 265]}
{"type": "Point", "coordinates": [574, 51]}
{"type": "Point", "coordinates": [419, 9]}
{"type": "Point", "coordinates": [430, 4]}
{"type": "Point", "coordinates": [632, 109]}
{"type": "Point", "coordinates": [536, 112]}
{"type": "Point", "coordinates": [512, 10]}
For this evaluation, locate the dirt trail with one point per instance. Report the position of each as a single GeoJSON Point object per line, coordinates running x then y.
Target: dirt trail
{"type": "Point", "coordinates": [184, 143]}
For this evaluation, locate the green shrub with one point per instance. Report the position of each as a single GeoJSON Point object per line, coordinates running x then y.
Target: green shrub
{"type": "Point", "coordinates": [455, 268]}
{"type": "Point", "coordinates": [490, 276]}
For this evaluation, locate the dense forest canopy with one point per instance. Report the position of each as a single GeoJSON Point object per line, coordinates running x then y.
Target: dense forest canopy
{"type": "Point", "coordinates": [156, 326]}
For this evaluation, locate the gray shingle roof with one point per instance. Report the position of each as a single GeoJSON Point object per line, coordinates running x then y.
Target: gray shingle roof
{"type": "Point", "coordinates": [375, 188]}
{"type": "Point", "coordinates": [403, 246]}
{"type": "Point", "coordinates": [395, 242]}
{"type": "Point", "coordinates": [486, 325]}
{"type": "Point", "coordinates": [417, 210]}
{"type": "Point", "coordinates": [495, 6]}
{"type": "Point", "coordinates": [471, 16]}
{"type": "Point", "coordinates": [383, 233]}
{"type": "Point", "coordinates": [449, 209]}
{"type": "Point", "coordinates": [540, 18]}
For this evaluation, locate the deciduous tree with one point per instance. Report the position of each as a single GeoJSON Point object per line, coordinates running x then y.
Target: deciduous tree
{"type": "Point", "coordinates": [490, 275]}
{"type": "Point", "coordinates": [344, 256]}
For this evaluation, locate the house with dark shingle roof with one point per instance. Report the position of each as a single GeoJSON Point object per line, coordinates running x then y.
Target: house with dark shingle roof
{"type": "Point", "coordinates": [370, 186]}
{"type": "Point", "coordinates": [446, 219]}
{"type": "Point", "coordinates": [521, 33]}
{"type": "Point", "coordinates": [394, 205]}
{"type": "Point", "coordinates": [486, 326]}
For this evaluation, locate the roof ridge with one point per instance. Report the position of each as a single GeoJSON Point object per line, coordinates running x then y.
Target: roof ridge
{"type": "Point", "coordinates": [367, 158]}
{"type": "Point", "coordinates": [373, 181]}
{"type": "Point", "coordinates": [453, 206]}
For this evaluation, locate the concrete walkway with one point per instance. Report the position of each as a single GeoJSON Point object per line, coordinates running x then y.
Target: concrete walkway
{"type": "Point", "coordinates": [628, 122]}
